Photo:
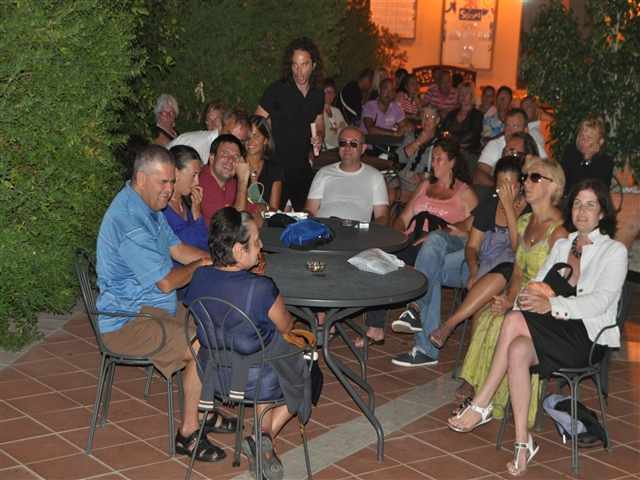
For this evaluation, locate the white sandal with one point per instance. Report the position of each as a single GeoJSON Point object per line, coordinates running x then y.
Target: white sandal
{"type": "Point", "coordinates": [532, 448]}
{"type": "Point", "coordinates": [468, 404]}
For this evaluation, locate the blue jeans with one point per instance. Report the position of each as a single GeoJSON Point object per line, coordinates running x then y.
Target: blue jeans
{"type": "Point", "coordinates": [439, 259]}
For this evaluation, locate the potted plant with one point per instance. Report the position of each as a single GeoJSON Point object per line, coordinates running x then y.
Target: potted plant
{"type": "Point", "coordinates": [593, 68]}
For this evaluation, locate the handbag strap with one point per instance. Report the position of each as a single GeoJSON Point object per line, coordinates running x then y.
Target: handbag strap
{"type": "Point", "coordinates": [559, 266]}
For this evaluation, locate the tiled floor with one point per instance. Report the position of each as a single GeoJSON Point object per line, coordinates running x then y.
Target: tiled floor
{"type": "Point", "coordinates": [46, 396]}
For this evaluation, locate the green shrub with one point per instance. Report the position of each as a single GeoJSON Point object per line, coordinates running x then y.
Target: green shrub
{"type": "Point", "coordinates": [231, 50]}
{"type": "Point", "coordinates": [64, 67]}
{"type": "Point", "coordinates": [597, 73]}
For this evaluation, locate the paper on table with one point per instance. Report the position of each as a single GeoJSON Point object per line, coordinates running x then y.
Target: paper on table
{"type": "Point", "coordinates": [377, 261]}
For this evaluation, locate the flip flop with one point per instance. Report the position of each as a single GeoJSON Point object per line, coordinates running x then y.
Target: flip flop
{"type": "Point", "coordinates": [440, 335]}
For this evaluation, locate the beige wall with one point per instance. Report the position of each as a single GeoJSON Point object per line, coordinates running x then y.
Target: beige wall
{"type": "Point", "coordinates": [425, 48]}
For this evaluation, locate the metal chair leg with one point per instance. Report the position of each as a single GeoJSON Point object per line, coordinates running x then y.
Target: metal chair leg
{"type": "Point", "coordinates": [505, 419]}
{"type": "Point", "coordinates": [145, 394]}
{"type": "Point", "coordinates": [543, 394]}
{"type": "Point", "coordinates": [459, 354]}
{"type": "Point", "coordinates": [180, 393]}
{"type": "Point", "coordinates": [236, 449]}
{"type": "Point", "coordinates": [172, 435]}
{"type": "Point", "coordinates": [303, 431]}
{"type": "Point", "coordinates": [111, 369]}
{"type": "Point", "coordinates": [96, 405]}
{"type": "Point", "coordinates": [607, 440]}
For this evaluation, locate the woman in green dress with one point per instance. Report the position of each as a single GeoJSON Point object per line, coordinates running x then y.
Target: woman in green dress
{"type": "Point", "coordinates": [538, 232]}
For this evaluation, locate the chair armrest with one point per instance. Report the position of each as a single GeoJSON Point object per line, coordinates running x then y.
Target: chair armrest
{"type": "Point", "coordinates": [596, 340]}
{"type": "Point", "coordinates": [134, 315]}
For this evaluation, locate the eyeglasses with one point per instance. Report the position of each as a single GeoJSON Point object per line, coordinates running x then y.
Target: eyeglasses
{"type": "Point", "coordinates": [512, 152]}
{"type": "Point", "coordinates": [168, 114]}
{"type": "Point", "coordinates": [352, 143]}
{"type": "Point", "coordinates": [427, 117]}
{"type": "Point", "coordinates": [330, 92]}
{"type": "Point", "coordinates": [535, 177]}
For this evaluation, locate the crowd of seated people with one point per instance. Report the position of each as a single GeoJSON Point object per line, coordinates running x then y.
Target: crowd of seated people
{"type": "Point", "coordinates": [493, 224]}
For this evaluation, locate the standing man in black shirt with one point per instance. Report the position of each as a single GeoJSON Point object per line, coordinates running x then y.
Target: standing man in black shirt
{"type": "Point", "coordinates": [350, 98]}
{"type": "Point", "coordinates": [293, 103]}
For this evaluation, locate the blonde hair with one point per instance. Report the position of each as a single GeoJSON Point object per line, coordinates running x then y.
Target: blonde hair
{"type": "Point", "coordinates": [592, 121]}
{"type": "Point", "coordinates": [555, 172]}
{"type": "Point", "coordinates": [465, 87]}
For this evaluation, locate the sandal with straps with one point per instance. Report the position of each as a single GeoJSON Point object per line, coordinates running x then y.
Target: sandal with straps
{"type": "Point", "coordinates": [227, 425]}
{"type": "Point", "coordinates": [440, 335]}
{"type": "Point", "coordinates": [205, 450]}
{"type": "Point", "coordinates": [271, 465]}
{"type": "Point", "coordinates": [532, 448]}
{"type": "Point", "coordinates": [485, 412]}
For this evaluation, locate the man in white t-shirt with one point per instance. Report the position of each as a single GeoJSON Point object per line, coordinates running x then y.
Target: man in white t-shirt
{"type": "Point", "coordinates": [349, 189]}
{"type": "Point", "coordinates": [515, 121]}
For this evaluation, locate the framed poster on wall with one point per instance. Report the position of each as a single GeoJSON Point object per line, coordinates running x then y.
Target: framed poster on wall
{"type": "Point", "coordinates": [467, 33]}
{"type": "Point", "coordinates": [399, 16]}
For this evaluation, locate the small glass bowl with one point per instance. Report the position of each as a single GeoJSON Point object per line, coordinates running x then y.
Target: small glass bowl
{"type": "Point", "coordinates": [314, 265]}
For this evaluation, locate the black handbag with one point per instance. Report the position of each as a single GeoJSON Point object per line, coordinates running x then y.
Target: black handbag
{"type": "Point", "coordinates": [558, 283]}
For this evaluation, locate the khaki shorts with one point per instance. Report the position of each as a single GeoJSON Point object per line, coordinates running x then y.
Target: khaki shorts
{"type": "Point", "coordinates": [143, 335]}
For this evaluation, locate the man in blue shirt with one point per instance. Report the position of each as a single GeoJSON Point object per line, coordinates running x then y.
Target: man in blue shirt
{"type": "Point", "coordinates": [136, 275]}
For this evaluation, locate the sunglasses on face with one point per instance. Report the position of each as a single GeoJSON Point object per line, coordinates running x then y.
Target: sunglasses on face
{"type": "Point", "coordinates": [352, 143]}
{"type": "Point", "coordinates": [535, 177]}
{"type": "Point", "coordinates": [512, 152]}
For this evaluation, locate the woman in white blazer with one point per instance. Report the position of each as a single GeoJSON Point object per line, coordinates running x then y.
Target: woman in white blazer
{"type": "Point", "coordinates": [574, 296]}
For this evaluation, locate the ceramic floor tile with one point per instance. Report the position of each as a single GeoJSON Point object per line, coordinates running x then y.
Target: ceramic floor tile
{"type": "Point", "coordinates": [69, 381]}
{"type": "Point", "coordinates": [42, 368]}
{"type": "Point", "coordinates": [43, 403]}
{"type": "Point", "coordinates": [106, 436]}
{"type": "Point", "coordinates": [24, 387]}
{"type": "Point", "coordinates": [71, 467]}
{"type": "Point", "coordinates": [63, 420]}
{"type": "Point", "coordinates": [70, 348]}
{"type": "Point", "coordinates": [40, 448]}
{"type": "Point", "coordinates": [7, 412]}
{"type": "Point", "coordinates": [19, 428]}
{"type": "Point", "coordinates": [33, 355]}
{"type": "Point", "coordinates": [10, 374]}
{"type": "Point", "coordinates": [122, 457]}
{"type": "Point", "coordinates": [18, 473]}
{"type": "Point", "coordinates": [6, 461]}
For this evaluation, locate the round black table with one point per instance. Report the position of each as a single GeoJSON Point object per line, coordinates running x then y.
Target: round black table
{"type": "Point", "coordinates": [348, 240]}
{"type": "Point", "coordinates": [343, 290]}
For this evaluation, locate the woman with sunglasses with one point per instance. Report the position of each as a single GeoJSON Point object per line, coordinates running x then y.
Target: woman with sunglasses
{"type": "Point", "coordinates": [493, 240]}
{"type": "Point", "coordinates": [414, 155]}
{"type": "Point", "coordinates": [574, 295]}
{"type": "Point", "coordinates": [166, 111]}
{"type": "Point", "coordinates": [538, 231]}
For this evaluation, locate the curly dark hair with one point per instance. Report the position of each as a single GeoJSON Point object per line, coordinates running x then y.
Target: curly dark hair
{"type": "Point", "coordinates": [608, 224]}
{"type": "Point", "coordinates": [307, 45]}
{"type": "Point", "coordinates": [453, 150]}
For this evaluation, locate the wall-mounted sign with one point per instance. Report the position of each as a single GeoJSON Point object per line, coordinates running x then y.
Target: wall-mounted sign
{"type": "Point", "coordinates": [399, 16]}
{"type": "Point", "coordinates": [467, 33]}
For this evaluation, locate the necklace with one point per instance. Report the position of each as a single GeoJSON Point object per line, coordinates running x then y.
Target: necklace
{"type": "Point", "coordinates": [515, 208]}
{"type": "Point", "coordinates": [574, 249]}
{"type": "Point", "coordinates": [179, 202]}
{"type": "Point", "coordinates": [254, 174]}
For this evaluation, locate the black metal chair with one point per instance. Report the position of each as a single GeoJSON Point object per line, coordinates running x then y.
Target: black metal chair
{"type": "Point", "coordinates": [229, 322]}
{"type": "Point", "coordinates": [458, 297]}
{"type": "Point", "coordinates": [86, 272]}
{"type": "Point", "coordinates": [573, 377]}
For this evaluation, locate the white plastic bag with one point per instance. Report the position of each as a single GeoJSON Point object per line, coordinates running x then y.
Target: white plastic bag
{"type": "Point", "coordinates": [375, 260]}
